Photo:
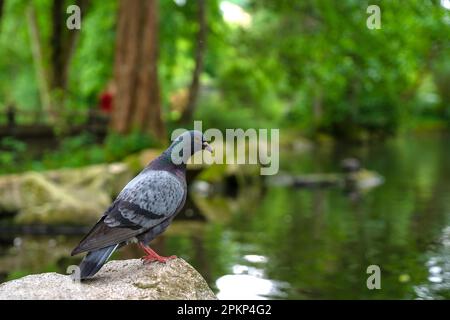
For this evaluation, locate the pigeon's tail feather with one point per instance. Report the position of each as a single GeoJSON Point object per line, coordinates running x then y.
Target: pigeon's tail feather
{"type": "Point", "coordinates": [94, 260]}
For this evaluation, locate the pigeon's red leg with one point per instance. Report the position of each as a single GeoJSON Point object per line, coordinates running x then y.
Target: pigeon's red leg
{"type": "Point", "coordinates": [153, 256]}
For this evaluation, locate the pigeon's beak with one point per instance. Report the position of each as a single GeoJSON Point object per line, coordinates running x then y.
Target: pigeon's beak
{"type": "Point", "coordinates": [207, 147]}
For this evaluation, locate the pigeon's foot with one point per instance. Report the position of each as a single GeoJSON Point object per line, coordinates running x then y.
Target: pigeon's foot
{"type": "Point", "coordinates": [153, 256]}
{"type": "Point", "coordinates": [148, 259]}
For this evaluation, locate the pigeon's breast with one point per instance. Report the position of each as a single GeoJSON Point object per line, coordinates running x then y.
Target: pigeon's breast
{"type": "Point", "coordinates": [158, 192]}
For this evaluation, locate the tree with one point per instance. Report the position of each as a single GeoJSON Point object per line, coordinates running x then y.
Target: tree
{"type": "Point", "coordinates": [137, 103]}
{"type": "Point", "coordinates": [2, 2]}
{"type": "Point", "coordinates": [199, 60]}
{"type": "Point", "coordinates": [63, 42]}
{"type": "Point", "coordinates": [334, 74]}
{"type": "Point", "coordinates": [62, 46]}
{"type": "Point", "coordinates": [39, 63]}
{"type": "Point", "coordinates": [52, 70]}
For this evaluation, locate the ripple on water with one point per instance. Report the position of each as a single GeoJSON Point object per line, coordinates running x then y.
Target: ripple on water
{"type": "Point", "coordinates": [438, 285]}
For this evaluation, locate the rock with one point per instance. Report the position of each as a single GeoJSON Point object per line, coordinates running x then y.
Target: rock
{"type": "Point", "coordinates": [350, 165]}
{"type": "Point", "coordinates": [362, 179]}
{"type": "Point", "coordinates": [215, 208]}
{"type": "Point", "coordinates": [66, 196]}
{"type": "Point", "coordinates": [291, 141]}
{"type": "Point", "coordinates": [315, 180]}
{"type": "Point", "coordinates": [367, 179]}
{"type": "Point", "coordinates": [218, 208]}
{"type": "Point", "coordinates": [117, 280]}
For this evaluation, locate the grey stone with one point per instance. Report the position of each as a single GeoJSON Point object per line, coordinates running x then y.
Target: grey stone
{"type": "Point", "coordinates": [117, 280]}
{"type": "Point", "coordinates": [65, 196]}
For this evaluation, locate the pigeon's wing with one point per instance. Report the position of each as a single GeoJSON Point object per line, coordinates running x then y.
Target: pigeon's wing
{"type": "Point", "coordinates": [150, 197]}
{"type": "Point", "coordinates": [145, 202]}
{"type": "Point", "coordinates": [102, 236]}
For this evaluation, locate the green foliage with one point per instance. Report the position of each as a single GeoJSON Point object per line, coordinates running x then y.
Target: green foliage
{"type": "Point", "coordinates": [11, 151]}
{"type": "Point", "coordinates": [311, 65]}
{"type": "Point", "coordinates": [341, 76]}
{"type": "Point", "coordinates": [17, 79]}
{"type": "Point", "coordinates": [13, 144]}
{"type": "Point", "coordinates": [116, 146]}
{"type": "Point", "coordinates": [84, 150]}
{"type": "Point", "coordinates": [91, 68]}
{"type": "Point", "coordinates": [17, 274]}
{"type": "Point", "coordinates": [72, 152]}
{"type": "Point", "coordinates": [215, 113]}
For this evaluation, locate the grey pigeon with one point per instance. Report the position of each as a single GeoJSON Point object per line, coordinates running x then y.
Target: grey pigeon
{"type": "Point", "coordinates": [144, 208]}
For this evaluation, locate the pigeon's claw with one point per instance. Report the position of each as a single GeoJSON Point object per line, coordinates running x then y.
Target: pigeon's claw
{"type": "Point", "coordinates": [153, 256]}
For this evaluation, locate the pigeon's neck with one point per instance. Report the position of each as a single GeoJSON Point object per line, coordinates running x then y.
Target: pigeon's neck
{"type": "Point", "coordinates": [164, 162]}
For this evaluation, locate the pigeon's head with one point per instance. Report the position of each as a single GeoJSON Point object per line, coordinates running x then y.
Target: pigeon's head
{"type": "Point", "coordinates": [186, 145]}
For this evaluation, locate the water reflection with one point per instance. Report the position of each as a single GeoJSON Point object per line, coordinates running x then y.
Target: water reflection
{"type": "Point", "coordinates": [251, 281]}
{"type": "Point", "coordinates": [254, 258]}
{"type": "Point", "coordinates": [250, 288]}
{"type": "Point", "coordinates": [438, 285]}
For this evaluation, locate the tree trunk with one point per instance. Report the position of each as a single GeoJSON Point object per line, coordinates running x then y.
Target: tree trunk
{"type": "Point", "coordinates": [199, 60]}
{"type": "Point", "coordinates": [63, 43]}
{"type": "Point", "coordinates": [41, 74]}
{"type": "Point", "coordinates": [57, 40]}
{"type": "Point", "coordinates": [137, 103]}
{"type": "Point", "coordinates": [52, 75]}
{"type": "Point", "coordinates": [72, 37]}
{"type": "Point", "coordinates": [2, 3]}
{"type": "Point", "coordinates": [317, 107]}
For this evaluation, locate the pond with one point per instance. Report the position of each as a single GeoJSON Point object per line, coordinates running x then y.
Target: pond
{"type": "Point", "coordinates": [291, 243]}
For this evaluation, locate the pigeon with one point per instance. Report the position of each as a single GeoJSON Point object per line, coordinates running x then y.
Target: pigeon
{"type": "Point", "coordinates": [144, 208]}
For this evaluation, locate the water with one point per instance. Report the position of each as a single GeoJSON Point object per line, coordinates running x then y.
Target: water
{"type": "Point", "coordinates": [305, 244]}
